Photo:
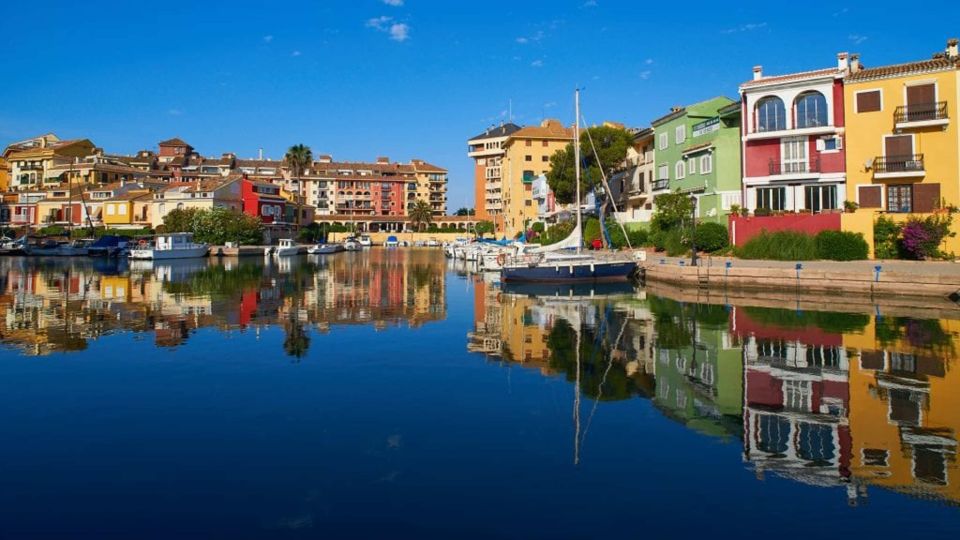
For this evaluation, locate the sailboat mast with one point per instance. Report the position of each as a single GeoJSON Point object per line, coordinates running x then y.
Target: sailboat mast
{"type": "Point", "coordinates": [576, 163]}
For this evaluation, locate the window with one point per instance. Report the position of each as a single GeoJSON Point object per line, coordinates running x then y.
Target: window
{"type": "Point", "coordinates": [680, 170]}
{"type": "Point", "coordinates": [529, 142]}
{"type": "Point", "coordinates": [771, 198]}
{"type": "Point", "coordinates": [664, 141]}
{"type": "Point", "coordinates": [869, 101]}
{"type": "Point", "coordinates": [692, 165]}
{"type": "Point", "coordinates": [545, 159]}
{"type": "Point", "coordinates": [663, 172]}
{"type": "Point", "coordinates": [109, 210]}
{"type": "Point", "coordinates": [706, 164]}
{"type": "Point", "coordinates": [545, 143]}
{"type": "Point", "coordinates": [122, 209]}
{"type": "Point", "coordinates": [820, 198]}
{"type": "Point", "coordinates": [811, 110]}
{"type": "Point", "coordinates": [900, 198]}
{"type": "Point", "coordinates": [832, 143]}
{"type": "Point", "coordinates": [794, 155]}
{"type": "Point", "coordinates": [680, 134]}
{"type": "Point", "coordinates": [771, 114]}
{"type": "Point", "coordinates": [528, 158]}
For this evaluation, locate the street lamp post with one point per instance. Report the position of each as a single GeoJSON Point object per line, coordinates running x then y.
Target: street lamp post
{"type": "Point", "coordinates": [693, 231]}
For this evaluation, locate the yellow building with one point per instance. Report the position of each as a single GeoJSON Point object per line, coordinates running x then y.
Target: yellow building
{"type": "Point", "coordinates": [902, 145]}
{"type": "Point", "coordinates": [130, 209]}
{"type": "Point", "coordinates": [34, 166]}
{"type": "Point", "coordinates": [526, 155]}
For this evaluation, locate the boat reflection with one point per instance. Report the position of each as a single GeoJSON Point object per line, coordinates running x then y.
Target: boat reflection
{"type": "Point", "coordinates": [842, 400]}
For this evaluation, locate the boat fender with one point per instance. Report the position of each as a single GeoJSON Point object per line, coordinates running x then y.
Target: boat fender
{"type": "Point", "coordinates": [592, 271]}
{"type": "Point", "coordinates": [143, 243]}
{"type": "Point", "coordinates": [501, 258]}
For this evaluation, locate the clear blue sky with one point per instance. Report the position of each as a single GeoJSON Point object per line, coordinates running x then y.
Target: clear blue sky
{"type": "Point", "coordinates": [410, 78]}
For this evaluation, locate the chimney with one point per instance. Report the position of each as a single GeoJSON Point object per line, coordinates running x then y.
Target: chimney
{"type": "Point", "coordinates": [842, 62]}
{"type": "Point", "coordinates": [952, 48]}
{"type": "Point", "coordinates": [383, 159]}
{"type": "Point", "coordinates": [757, 73]}
{"type": "Point", "coordinates": [676, 108]}
{"type": "Point", "coordinates": [854, 63]}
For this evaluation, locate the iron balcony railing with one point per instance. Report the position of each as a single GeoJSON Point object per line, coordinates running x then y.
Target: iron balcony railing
{"type": "Point", "coordinates": [897, 164]}
{"type": "Point", "coordinates": [920, 112]}
{"type": "Point", "coordinates": [663, 183]}
{"type": "Point", "coordinates": [796, 167]}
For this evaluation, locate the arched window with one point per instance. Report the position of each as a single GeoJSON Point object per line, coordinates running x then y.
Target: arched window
{"type": "Point", "coordinates": [681, 170]}
{"type": "Point", "coordinates": [771, 114]}
{"type": "Point", "coordinates": [811, 110]}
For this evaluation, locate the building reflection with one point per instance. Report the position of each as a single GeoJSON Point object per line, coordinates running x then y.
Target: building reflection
{"type": "Point", "coordinates": [842, 400]}
{"type": "Point", "coordinates": [59, 305]}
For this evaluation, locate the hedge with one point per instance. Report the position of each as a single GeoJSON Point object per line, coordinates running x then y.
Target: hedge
{"type": "Point", "coordinates": [779, 246]}
{"type": "Point", "coordinates": [711, 237]}
{"type": "Point", "coordinates": [841, 246]}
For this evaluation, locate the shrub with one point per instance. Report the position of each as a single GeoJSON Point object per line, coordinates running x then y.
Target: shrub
{"type": "Point", "coordinates": [591, 230]}
{"type": "Point", "coordinates": [850, 206]}
{"type": "Point", "coordinates": [779, 246]}
{"type": "Point", "coordinates": [921, 237]}
{"type": "Point", "coordinates": [711, 237]}
{"type": "Point", "coordinates": [537, 227]}
{"type": "Point", "coordinates": [676, 243]}
{"type": "Point", "coordinates": [841, 246]}
{"type": "Point", "coordinates": [886, 238]}
{"type": "Point", "coordinates": [760, 212]}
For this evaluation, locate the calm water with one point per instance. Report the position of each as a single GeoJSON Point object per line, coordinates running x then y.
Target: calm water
{"type": "Point", "coordinates": [392, 394]}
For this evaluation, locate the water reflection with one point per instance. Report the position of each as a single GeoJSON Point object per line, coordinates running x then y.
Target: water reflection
{"type": "Point", "coordinates": [847, 400]}
{"type": "Point", "coordinates": [59, 305]}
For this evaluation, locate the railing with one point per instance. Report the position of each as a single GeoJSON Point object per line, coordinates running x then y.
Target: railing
{"type": "Point", "coordinates": [661, 184]}
{"type": "Point", "coordinates": [922, 112]}
{"type": "Point", "coordinates": [777, 168]}
{"type": "Point", "coordinates": [898, 164]}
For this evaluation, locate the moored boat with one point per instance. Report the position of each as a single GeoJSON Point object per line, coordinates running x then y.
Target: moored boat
{"type": "Point", "coordinates": [286, 248]}
{"type": "Point", "coordinates": [325, 249]}
{"type": "Point", "coordinates": [365, 240]}
{"type": "Point", "coordinates": [170, 246]}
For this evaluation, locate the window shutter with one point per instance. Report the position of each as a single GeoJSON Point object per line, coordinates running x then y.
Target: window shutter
{"type": "Point", "coordinates": [821, 144]}
{"type": "Point", "coordinates": [869, 196]}
{"type": "Point", "coordinates": [839, 142]}
{"type": "Point", "coordinates": [926, 197]}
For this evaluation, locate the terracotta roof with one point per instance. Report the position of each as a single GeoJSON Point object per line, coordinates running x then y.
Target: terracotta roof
{"type": "Point", "coordinates": [792, 77]}
{"type": "Point", "coordinates": [696, 147]}
{"type": "Point", "coordinates": [548, 129]}
{"type": "Point", "coordinates": [131, 195]}
{"type": "Point", "coordinates": [497, 131]}
{"type": "Point", "coordinates": [898, 70]}
{"type": "Point", "coordinates": [176, 141]}
{"type": "Point", "coordinates": [423, 166]}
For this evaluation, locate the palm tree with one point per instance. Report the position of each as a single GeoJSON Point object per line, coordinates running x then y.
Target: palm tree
{"type": "Point", "coordinates": [421, 214]}
{"type": "Point", "coordinates": [298, 158]}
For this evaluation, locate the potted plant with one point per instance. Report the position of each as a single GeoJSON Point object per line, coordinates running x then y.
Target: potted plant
{"type": "Point", "coordinates": [850, 206]}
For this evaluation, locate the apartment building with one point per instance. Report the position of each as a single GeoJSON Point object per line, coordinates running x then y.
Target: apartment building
{"type": "Point", "coordinates": [487, 152]}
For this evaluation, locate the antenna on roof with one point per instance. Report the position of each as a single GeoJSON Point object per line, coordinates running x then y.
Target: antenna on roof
{"type": "Point", "coordinates": [260, 154]}
{"type": "Point", "coordinates": [510, 109]}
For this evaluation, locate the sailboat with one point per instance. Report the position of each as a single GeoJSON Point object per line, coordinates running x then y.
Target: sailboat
{"type": "Point", "coordinates": [551, 264]}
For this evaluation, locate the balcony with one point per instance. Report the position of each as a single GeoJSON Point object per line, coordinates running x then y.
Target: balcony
{"type": "Point", "coordinates": [794, 168]}
{"type": "Point", "coordinates": [922, 115]}
{"type": "Point", "coordinates": [898, 166]}
{"type": "Point", "coordinates": [661, 185]}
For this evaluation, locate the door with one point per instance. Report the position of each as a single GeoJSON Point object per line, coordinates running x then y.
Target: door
{"type": "Point", "coordinates": [794, 155]}
{"type": "Point", "coordinates": [921, 102]}
{"type": "Point", "coordinates": [898, 152]}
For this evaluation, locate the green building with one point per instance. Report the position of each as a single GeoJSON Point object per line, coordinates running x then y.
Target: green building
{"type": "Point", "coordinates": [698, 152]}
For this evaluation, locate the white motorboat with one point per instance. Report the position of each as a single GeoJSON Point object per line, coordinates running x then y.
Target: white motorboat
{"type": "Point", "coordinates": [351, 244]}
{"type": "Point", "coordinates": [325, 249]}
{"type": "Point", "coordinates": [432, 242]}
{"type": "Point", "coordinates": [286, 248]}
{"type": "Point", "coordinates": [170, 246]}
{"type": "Point", "coordinates": [391, 242]}
{"type": "Point", "coordinates": [365, 240]}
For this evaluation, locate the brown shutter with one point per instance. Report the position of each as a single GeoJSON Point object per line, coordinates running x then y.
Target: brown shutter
{"type": "Point", "coordinates": [926, 197]}
{"type": "Point", "coordinates": [870, 197]}
{"type": "Point", "coordinates": [871, 360]}
{"type": "Point", "coordinates": [868, 101]}
{"type": "Point", "coordinates": [922, 94]}
{"type": "Point", "coordinates": [899, 146]}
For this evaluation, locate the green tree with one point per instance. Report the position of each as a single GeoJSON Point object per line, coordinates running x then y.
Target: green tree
{"type": "Point", "coordinates": [611, 145]}
{"type": "Point", "coordinates": [465, 212]}
{"type": "Point", "coordinates": [421, 214]}
{"type": "Point", "coordinates": [673, 210]}
{"type": "Point", "coordinates": [221, 225]}
{"type": "Point", "coordinates": [298, 158]}
{"type": "Point", "coordinates": [180, 220]}
{"type": "Point", "coordinates": [296, 342]}
{"type": "Point", "coordinates": [484, 227]}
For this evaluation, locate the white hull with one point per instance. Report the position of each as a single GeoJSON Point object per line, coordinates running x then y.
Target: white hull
{"type": "Point", "coordinates": [286, 251]}
{"type": "Point", "coordinates": [164, 254]}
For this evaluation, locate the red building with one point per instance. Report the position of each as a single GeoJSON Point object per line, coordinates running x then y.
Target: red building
{"type": "Point", "coordinates": [263, 200]}
{"type": "Point", "coordinates": [793, 157]}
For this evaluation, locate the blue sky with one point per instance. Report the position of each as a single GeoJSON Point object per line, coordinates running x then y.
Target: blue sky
{"type": "Point", "coordinates": [405, 78]}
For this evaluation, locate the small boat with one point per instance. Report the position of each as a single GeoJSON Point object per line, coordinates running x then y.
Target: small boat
{"type": "Point", "coordinates": [391, 242]}
{"type": "Point", "coordinates": [365, 240]}
{"type": "Point", "coordinates": [76, 248]}
{"type": "Point", "coordinates": [351, 244]}
{"type": "Point", "coordinates": [286, 248]}
{"type": "Point", "coordinates": [170, 246]}
{"type": "Point", "coordinates": [9, 246]}
{"type": "Point", "coordinates": [325, 249]}
{"type": "Point", "coordinates": [107, 246]}
{"type": "Point", "coordinates": [43, 248]}
{"type": "Point", "coordinates": [432, 242]}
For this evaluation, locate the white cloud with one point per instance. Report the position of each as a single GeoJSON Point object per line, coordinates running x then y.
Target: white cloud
{"type": "Point", "coordinates": [749, 27]}
{"type": "Point", "coordinates": [295, 53]}
{"type": "Point", "coordinates": [399, 32]}
{"type": "Point", "coordinates": [380, 23]}
{"type": "Point", "coordinates": [535, 38]}
{"type": "Point", "coordinates": [645, 74]}
{"type": "Point", "coordinates": [549, 104]}
{"type": "Point", "coordinates": [536, 63]}
{"type": "Point", "coordinates": [841, 12]}
{"type": "Point", "coordinates": [857, 38]}
{"type": "Point", "coordinates": [522, 40]}
{"type": "Point", "coordinates": [648, 61]}
{"type": "Point", "coordinates": [590, 3]}
{"type": "Point", "coordinates": [394, 3]}
{"type": "Point", "coordinates": [267, 38]}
